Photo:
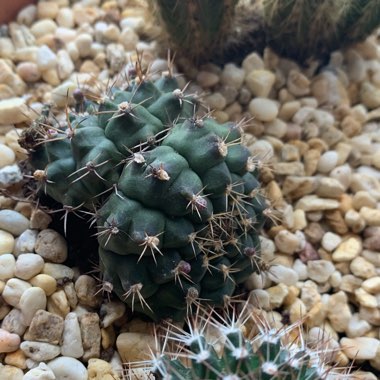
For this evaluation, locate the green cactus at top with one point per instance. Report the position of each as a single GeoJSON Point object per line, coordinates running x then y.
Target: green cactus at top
{"type": "Point", "coordinates": [174, 196]}
{"type": "Point", "coordinates": [299, 29]}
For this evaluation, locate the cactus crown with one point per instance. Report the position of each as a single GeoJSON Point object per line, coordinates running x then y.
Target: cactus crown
{"type": "Point", "coordinates": [231, 355]}
{"type": "Point", "coordinates": [174, 195]}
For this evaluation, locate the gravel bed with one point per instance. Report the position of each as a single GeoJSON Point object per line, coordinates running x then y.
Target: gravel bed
{"type": "Point", "coordinates": [314, 132]}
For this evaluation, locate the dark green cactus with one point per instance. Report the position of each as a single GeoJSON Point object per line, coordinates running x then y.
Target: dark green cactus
{"type": "Point", "coordinates": [270, 355]}
{"type": "Point", "coordinates": [174, 196]}
{"type": "Point", "coordinates": [225, 30]}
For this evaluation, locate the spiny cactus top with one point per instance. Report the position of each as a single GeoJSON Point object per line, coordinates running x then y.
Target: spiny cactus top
{"type": "Point", "coordinates": [228, 354]}
{"type": "Point", "coordinates": [175, 197]}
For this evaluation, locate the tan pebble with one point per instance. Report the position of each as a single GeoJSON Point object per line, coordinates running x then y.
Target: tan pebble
{"type": "Point", "coordinates": [289, 168]}
{"type": "Point", "coordinates": [365, 299]}
{"type": "Point", "coordinates": [10, 372]}
{"type": "Point", "coordinates": [277, 295]}
{"type": "Point", "coordinates": [108, 337]}
{"type": "Point", "coordinates": [13, 111]}
{"type": "Point", "coordinates": [338, 311]}
{"type": "Point", "coordinates": [289, 109]}
{"type": "Point", "coordinates": [207, 79]}
{"type": "Point", "coordinates": [316, 315]}
{"type": "Point", "coordinates": [311, 159]}
{"type": "Point", "coordinates": [221, 116]}
{"type": "Point", "coordinates": [372, 285]}
{"type": "Point", "coordinates": [39, 219]}
{"type": "Point", "coordinates": [58, 304]}
{"type": "Point", "coordinates": [216, 101]}
{"type": "Point", "coordinates": [263, 109]}
{"type": "Point", "coordinates": [361, 348]}
{"type": "Point", "coordinates": [16, 359]}
{"type": "Point", "coordinates": [363, 199]}
{"type": "Point", "coordinates": [362, 268]}
{"type": "Point", "coordinates": [314, 203]}
{"type": "Point", "coordinates": [101, 370]}
{"type": "Point", "coordinates": [43, 27]}
{"type": "Point", "coordinates": [65, 18]}
{"type": "Point", "coordinates": [135, 346]}
{"type": "Point", "coordinates": [51, 76]}
{"type": "Point", "coordinates": [287, 242]}
{"type": "Point", "coordinates": [371, 315]}
{"type": "Point", "coordinates": [336, 221]}
{"type": "Point", "coordinates": [295, 187]}
{"type": "Point", "coordinates": [260, 82]}
{"type": "Point", "coordinates": [293, 293]}
{"type": "Point", "coordinates": [7, 242]}
{"type": "Point", "coordinates": [354, 220]}
{"type": "Point", "coordinates": [371, 216]}
{"type": "Point", "coordinates": [297, 83]}
{"type": "Point", "coordinates": [47, 283]}
{"type": "Point", "coordinates": [370, 95]}
{"type": "Point", "coordinates": [350, 283]}
{"type": "Point", "coordinates": [297, 311]}
{"type": "Point", "coordinates": [47, 10]}
{"type": "Point", "coordinates": [345, 203]}
{"type": "Point", "coordinates": [347, 250]}
{"type": "Point", "coordinates": [329, 188]}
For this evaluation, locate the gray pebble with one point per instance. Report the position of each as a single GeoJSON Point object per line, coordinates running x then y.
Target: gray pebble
{"type": "Point", "coordinates": [13, 222]}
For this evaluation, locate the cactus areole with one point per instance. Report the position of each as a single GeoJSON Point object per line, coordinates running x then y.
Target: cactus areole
{"type": "Point", "coordinates": [174, 196]}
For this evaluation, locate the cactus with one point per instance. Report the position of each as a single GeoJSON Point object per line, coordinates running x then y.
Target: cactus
{"type": "Point", "coordinates": [299, 29]}
{"type": "Point", "coordinates": [303, 29]}
{"type": "Point", "coordinates": [174, 195]}
{"type": "Point", "coordinates": [232, 354]}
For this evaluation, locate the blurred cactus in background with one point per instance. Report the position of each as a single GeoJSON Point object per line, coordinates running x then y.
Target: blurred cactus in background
{"type": "Point", "coordinates": [299, 29]}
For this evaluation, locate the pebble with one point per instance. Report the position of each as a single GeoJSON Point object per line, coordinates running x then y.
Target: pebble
{"type": "Point", "coordinates": [87, 291]}
{"type": "Point", "coordinates": [287, 242]}
{"type": "Point", "coordinates": [357, 327]}
{"type": "Point", "coordinates": [329, 188]}
{"type": "Point", "coordinates": [111, 312]}
{"type": "Point", "coordinates": [58, 271]}
{"type": "Point", "coordinates": [58, 304]}
{"type": "Point", "coordinates": [31, 300]}
{"type": "Point", "coordinates": [277, 295]}
{"type": "Point", "coordinates": [45, 327]}
{"type": "Point", "coordinates": [330, 241]}
{"type": "Point", "coordinates": [47, 283]}
{"type": "Point", "coordinates": [71, 340]}
{"type": "Point", "coordinates": [284, 275]}
{"type": "Point", "coordinates": [314, 203]}
{"type": "Point", "coordinates": [371, 216]}
{"type": "Point", "coordinates": [263, 109]}
{"type": "Point", "coordinates": [25, 242]}
{"type": "Point", "coordinates": [338, 311]}
{"type": "Point", "coordinates": [372, 285]}
{"type": "Point", "coordinates": [327, 161]}
{"type": "Point", "coordinates": [361, 348]}
{"type": "Point", "coordinates": [101, 370]}
{"type": "Point", "coordinates": [13, 290]}
{"type": "Point", "coordinates": [362, 268]}
{"type": "Point", "coordinates": [65, 367]}
{"type": "Point", "coordinates": [297, 83]}
{"type": "Point", "coordinates": [46, 58]}
{"type": "Point", "coordinates": [365, 299]}
{"type": "Point", "coordinates": [43, 27]}
{"type": "Point", "coordinates": [9, 342]}
{"type": "Point", "coordinates": [7, 266]}
{"type": "Point", "coordinates": [39, 351]}
{"type": "Point", "coordinates": [51, 246]}
{"type": "Point", "coordinates": [62, 95]}
{"type": "Point", "coordinates": [207, 79]}
{"type": "Point", "coordinates": [28, 265]}
{"type": "Point", "coordinates": [42, 372]}
{"type": "Point", "coordinates": [320, 270]}
{"type": "Point", "coordinates": [13, 222]}
{"type": "Point", "coordinates": [10, 372]}
{"type": "Point", "coordinates": [133, 346]}
{"type": "Point", "coordinates": [347, 250]}
{"type": "Point", "coordinates": [91, 336]}
{"type": "Point", "coordinates": [260, 82]}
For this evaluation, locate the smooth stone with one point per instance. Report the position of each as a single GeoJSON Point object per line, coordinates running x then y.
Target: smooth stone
{"type": "Point", "coordinates": [207, 79]}
{"type": "Point", "coordinates": [32, 300]}
{"type": "Point", "coordinates": [327, 161]}
{"type": "Point", "coordinates": [13, 290]}
{"type": "Point", "coordinates": [314, 203]}
{"type": "Point", "coordinates": [338, 311]}
{"type": "Point", "coordinates": [343, 174]}
{"type": "Point", "coordinates": [65, 65]}
{"type": "Point", "coordinates": [71, 294]}
{"type": "Point", "coordinates": [361, 348]}
{"type": "Point", "coordinates": [301, 269]}
{"type": "Point", "coordinates": [260, 82]}
{"type": "Point", "coordinates": [282, 274]}
{"type": "Point", "coordinates": [45, 282]}
{"type": "Point", "coordinates": [287, 242]}
{"type": "Point", "coordinates": [330, 241]}
{"type": "Point", "coordinates": [9, 372]}
{"type": "Point", "coordinates": [40, 351]}
{"type": "Point", "coordinates": [232, 76]}
{"type": "Point", "coordinates": [372, 285]}
{"type": "Point", "coordinates": [13, 222]}
{"type": "Point", "coordinates": [357, 327]}
{"type": "Point", "coordinates": [363, 199]}
{"type": "Point", "coordinates": [43, 27]}
{"type": "Point", "coordinates": [72, 340]}
{"type": "Point", "coordinates": [365, 299]}
{"type": "Point", "coordinates": [329, 188]}
{"type": "Point", "coordinates": [91, 335]}
{"type": "Point", "coordinates": [26, 242]}
{"type": "Point", "coordinates": [14, 323]}
{"type": "Point", "coordinates": [133, 346]}
{"type": "Point", "coordinates": [46, 58]}
{"type": "Point", "coordinates": [289, 168]}
{"type": "Point", "coordinates": [360, 267]}
{"type": "Point", "coordinates": [347, 250]}
{"type": "Point", "coordinates": [297, 83]}
{"type": "Point", "coordinates": [10, 174]}
{"type": "Point", "coordinates": [28, 265]}
{"type": "Point", "coordinates": [58, 304]}
{"type": "Point", "coordinates": [7, 156]}
{"type": "Point", "coordinates": [45, 327]}
{"type": "Point", "coordinates": [62, 95]}
{"type": "Point", "coordinates": [51, 246]}
{"type": "Point", "coordinates": [320, 270]}
{"type": "Point", "coordinates": [216, 101]}
{"type": "Point", "coordinates": [263, 109]}
{"type": "Point", "coordinates": [371, 216]}
{"type": "Point", "coordinates": [65, 368]}
{"type": "Point", "coordinates": [9, 342]}
{"type": "Point", "coordinates": [7, 266]}
{"type": "Point", "coordinates": [259, 298]}
{"type": "Point", "coordinates": [42, 372]}
{"type": "Point", "coordinates": [65, 18]}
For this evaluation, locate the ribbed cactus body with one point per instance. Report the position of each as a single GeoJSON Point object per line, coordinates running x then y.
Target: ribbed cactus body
{"type": "Point", "coordinates": [175, 197]}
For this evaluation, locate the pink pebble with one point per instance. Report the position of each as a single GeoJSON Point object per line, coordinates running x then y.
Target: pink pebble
{"type": "Point", "coordinates": [8, 342]}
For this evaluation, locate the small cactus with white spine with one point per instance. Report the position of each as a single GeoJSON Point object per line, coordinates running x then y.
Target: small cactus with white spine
{"type": "Point", "coordinates": [272, 354]}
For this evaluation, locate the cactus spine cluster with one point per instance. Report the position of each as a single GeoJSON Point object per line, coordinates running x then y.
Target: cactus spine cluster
{"type": "Point", "coordinates": [270, 355]}
{"type": "Point", "coordinates": [174, 196]}
{"type": "Point", "coordinates": [298, 29]}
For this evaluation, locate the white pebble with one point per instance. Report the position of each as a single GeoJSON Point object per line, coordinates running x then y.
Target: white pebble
{"type": "Point", "coordinates": [31, 300]}
{"type": "Point", "coordinates": [13, 290]}
{"type": "Point", "coordinates": [43, 27]}
{"type": "Point", "coordinates": [330, 241]}
{"type": "Point", "coordinates": [65, 65]}
{"type": "Point", "coordinates": [7, 156]}
{"type": "Point", "coordinates": [301, 269]}
{"type": "Point", "coordinates": [28, 265]}
{"type": "Point", "coordinates": [13, 222]}
{"type": "Point", "coordinates": [71, 340]}
{"type": "Point", "coordinates": [263, 109]}
{"type": "Point", "coordinates": [42, 372]}
{"type": "Point", "coordinates": [282, 274]}
{"type": "Point", "coordinates": [232, 76]}
{"type": "Point", "coordinates": [68, 368]}
{"type": "Point", "coordinates": [46, 58]}
{"type": "Point", "coordinates": [62, 95]}
{"type": "Point", "coordinates": [25, 242]}
{"type": "Point", "coordinates": [83, 43]}
{"type": "Point", "coordinates": [327, 161]}
{"type": "Point", "coordinates": [8, 342]}
{"type": "Point", "coordinates": [320, 270]}
{"type": "Point", "coordinates": [39, 351]}
{"type": "Point", "coordinates": [7, 266]}
{"type": "Point", "coordinates": [65, 18]}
